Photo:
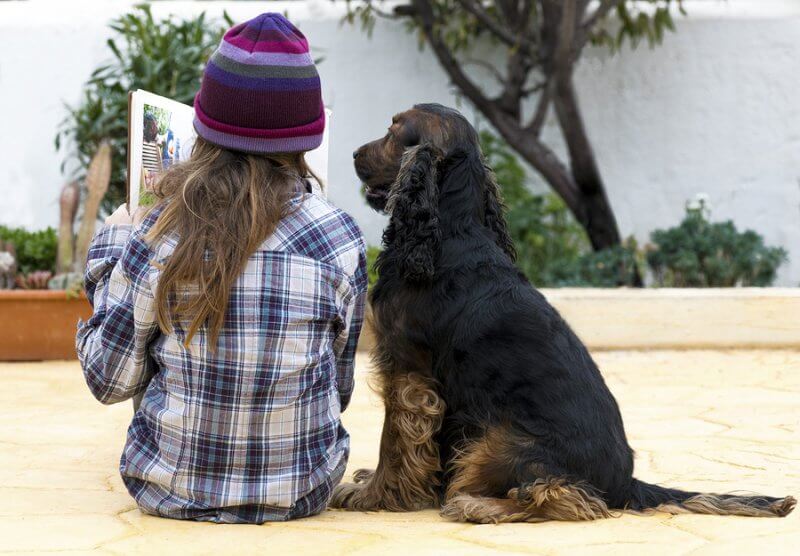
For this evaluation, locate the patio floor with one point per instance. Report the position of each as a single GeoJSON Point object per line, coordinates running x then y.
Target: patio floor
{"type": "Point", "coordinates": [705, 420]}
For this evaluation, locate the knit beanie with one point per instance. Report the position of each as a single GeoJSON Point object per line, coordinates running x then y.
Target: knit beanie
{"type": "Point", "coordinates": [261, 92]}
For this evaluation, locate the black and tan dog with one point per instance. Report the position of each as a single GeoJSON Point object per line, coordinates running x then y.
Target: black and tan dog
{"type": "Point", "coordinates": [494, 407]}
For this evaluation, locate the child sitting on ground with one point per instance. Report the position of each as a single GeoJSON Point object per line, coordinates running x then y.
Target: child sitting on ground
{"type": "Point", "coordinates": [235, 306]}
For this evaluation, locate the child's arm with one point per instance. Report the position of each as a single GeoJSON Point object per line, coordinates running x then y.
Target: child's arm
{"type": "Point", "coordinates": [112, 344]}
{"type": "Point", "coordinates": [347, 341]}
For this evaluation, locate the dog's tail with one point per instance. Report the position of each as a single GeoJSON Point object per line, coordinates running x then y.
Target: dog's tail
{"type": "Point", "coordinates": [646, 496]}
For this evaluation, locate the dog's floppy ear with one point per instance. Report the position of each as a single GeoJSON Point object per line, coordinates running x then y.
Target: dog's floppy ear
{"type": "Point", "coordinates": [413, 231]}
{"type": "Point", "coordinates": [493, 209]}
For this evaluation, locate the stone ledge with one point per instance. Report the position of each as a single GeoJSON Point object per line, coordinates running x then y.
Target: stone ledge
{"type": "Point", "coordinates": [665, 318]}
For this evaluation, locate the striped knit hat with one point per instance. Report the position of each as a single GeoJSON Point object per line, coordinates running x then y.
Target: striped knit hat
{"type": "Point", "coordinates": [261, 91]}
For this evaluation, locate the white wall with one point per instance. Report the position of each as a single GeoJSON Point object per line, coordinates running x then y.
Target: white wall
{"type": "Point", "coordinates": [714, 109]}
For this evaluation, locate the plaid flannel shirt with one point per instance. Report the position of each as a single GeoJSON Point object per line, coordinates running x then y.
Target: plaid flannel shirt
{"type": "Point", "coordinates": [250, 432]}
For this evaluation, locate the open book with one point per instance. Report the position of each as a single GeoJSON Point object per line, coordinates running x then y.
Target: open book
{"type": "Point", "coordinates": [161, 133]}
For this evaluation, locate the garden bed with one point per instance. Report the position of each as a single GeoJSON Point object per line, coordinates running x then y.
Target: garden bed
{"type": "Point", "coordinates": [39, 324]}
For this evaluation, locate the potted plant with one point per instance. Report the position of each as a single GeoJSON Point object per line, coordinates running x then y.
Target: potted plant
{"type": "Point", "coordinates": [39, 324]}
{"type": "Point", "coordinates": [35, 323]}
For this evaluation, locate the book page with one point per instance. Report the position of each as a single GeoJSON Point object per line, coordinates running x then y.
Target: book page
{"type": "Point", "coordinates": [161, 134]}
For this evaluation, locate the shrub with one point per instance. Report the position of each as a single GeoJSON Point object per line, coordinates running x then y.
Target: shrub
{"type": "Point", "coordinates": [35, 250]}
{"type": "Point", "coordinates": [548, 240]}
{"type": "Point", "coordinates": [552, 248]}
{"type": "Point", "coordinates": [699, 253]}
{"type": "Point", "coordinates": [372, 256]}
{"type": "Point", "coordinates": [165, 57]}
{"type": "Point", "coordinates": [608, 268]}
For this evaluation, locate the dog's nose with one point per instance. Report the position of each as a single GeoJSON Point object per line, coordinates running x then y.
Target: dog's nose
{"type": "Point", "coordinates": [355, 154]}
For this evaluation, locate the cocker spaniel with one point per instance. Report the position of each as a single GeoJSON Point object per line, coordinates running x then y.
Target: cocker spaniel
{"type": "Point", "coordinates": [495, 410]}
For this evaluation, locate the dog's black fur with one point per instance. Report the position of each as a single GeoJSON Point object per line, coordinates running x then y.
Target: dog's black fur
{"type": "Point", "coordinates": [451, 307]}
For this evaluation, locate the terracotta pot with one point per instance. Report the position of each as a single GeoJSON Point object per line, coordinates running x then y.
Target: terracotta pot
{"type": "Point", "coordinates": [39, 325]}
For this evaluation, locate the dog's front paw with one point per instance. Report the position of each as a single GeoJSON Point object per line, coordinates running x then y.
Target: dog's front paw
{"type": "Point", "coordinates": [363, 475]}
{"type": "Point", "coordinates": [348, 496]}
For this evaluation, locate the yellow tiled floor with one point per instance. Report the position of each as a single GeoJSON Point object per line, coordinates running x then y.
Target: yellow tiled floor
{"type": "Point", "coordinates": [705, 420]}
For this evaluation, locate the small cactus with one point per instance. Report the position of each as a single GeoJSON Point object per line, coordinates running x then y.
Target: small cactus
{"type": "Point", "coordinates": [97, 179]}
{"type": "Point", "coordinates": [72, 282]}
{"type": "Point", "coordinates": [68, 201]}
{"type": "Point", "coordinates": [36, 280]}
{"type": "Point", "coordinates": [66, 281]}
{"type": "Point", "coordinates": [72, 249]}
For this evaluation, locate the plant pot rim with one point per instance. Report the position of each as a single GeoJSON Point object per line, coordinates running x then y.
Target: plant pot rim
{"type": "Point", "coordinates": [39, 295]}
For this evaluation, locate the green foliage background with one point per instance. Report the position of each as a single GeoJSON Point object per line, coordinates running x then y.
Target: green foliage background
{"type": "Point", "coordinates": [636, 21]}
{"type": "Point", "coordinates": [698, 253]}
{"type": "Point", "coordinates": [35, 250]}
{"type": "Point", "coordinates": [164, 56]}
{"type": "Point", "coordinates": [372, 256]}
{"type": "Point", "coordinates": [553, 250]}
{"type": "Point", "coordinates": [547, 238]}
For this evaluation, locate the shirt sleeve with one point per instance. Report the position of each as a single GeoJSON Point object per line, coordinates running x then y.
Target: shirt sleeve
{"type": "Point", "coordinates": [347, 341]}
{"type": "Point", "coordinates": [112, 345]}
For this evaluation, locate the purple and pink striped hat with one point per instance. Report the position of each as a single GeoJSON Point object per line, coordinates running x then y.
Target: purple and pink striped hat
{"type": "Point", "coordinates": [261, 92]}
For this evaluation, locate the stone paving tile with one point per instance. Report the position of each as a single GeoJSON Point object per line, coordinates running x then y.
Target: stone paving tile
{"type": "Point", "coordinates": [705, 420]}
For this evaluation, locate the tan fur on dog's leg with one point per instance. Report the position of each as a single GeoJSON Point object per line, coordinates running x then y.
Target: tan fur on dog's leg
{"type": "Point", "coordinates": [559, 499]}
{"type": "Point", "coordinates": [408, 472]}
{"type": "Point", "coordinates": [480, 470]}
{"type": "Point", "coordinates": [482, 509]}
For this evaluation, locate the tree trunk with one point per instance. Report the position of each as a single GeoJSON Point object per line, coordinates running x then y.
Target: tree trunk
{"type": "Point", "coordinates": [580, 185]}
{"type": "Point", "coordinates": [598, 219]}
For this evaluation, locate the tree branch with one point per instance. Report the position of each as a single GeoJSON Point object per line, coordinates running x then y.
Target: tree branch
{"type": "Point", "coordinates": [582, 5]}
{"type": "Point", "coordinates": [562, 56]}
{"type": "Point", "coordinates": [555, 31]}
{"type": "Point", "coordinates": [427, 22]}
{"type": "Point", "coordinates": [381, 13]}
{"type": "Point", "coordinates": [527, 91]}
{"type": "Point", "coordinates": [601, 12]}
{"type": "Point", "coordinates": [488, 67]}
{"type": "Point", "coordinates": [539, 115]}
{"type": "Point", "coordinates": [600, 222]}
{"type": "Point", "coordinates": [535, 153]}
{"type": "Point", "coordinates": [597, 16]}
{"type": "Point", "coordinates": [502, 33]}
{"type": "Point", "coordinates": [518, 67]}
{"type": "Point", "coordinates": [507, 9]}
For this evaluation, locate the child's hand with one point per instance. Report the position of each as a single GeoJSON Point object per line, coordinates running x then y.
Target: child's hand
{"type": "Point", "coordinates": [138, 215]}
{"type": "Point", "coordinates": [120, 216]}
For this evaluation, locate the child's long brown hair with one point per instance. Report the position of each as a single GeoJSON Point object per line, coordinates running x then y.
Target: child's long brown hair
{"type": "Point", "coordinates": [222, 205]}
